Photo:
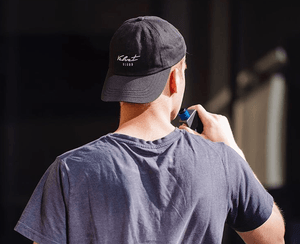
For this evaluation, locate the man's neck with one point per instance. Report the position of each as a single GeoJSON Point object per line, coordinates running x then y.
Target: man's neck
{"type": "Point", "coordinates": [147, 122]}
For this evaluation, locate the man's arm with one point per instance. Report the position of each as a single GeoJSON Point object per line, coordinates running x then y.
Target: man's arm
{"type": "Point", "coordinates": [217, 128]}
{"type": "Point", "coordinates": [272, 231]}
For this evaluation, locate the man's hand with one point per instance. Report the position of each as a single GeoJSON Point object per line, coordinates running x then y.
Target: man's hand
{"type": "Point", "coordinates": [215, 128]}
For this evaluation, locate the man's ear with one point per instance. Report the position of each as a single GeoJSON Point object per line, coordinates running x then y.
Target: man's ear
{"type": "Point", "coordinates": [173, 82]}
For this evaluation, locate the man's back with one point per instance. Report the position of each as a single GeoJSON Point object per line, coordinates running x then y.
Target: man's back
{"type": "Point", "coordinates": [176, 189]}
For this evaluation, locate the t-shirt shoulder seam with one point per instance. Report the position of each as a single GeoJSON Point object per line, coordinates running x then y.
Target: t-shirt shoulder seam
{"type": "Point", "coordinates": [204, 140]}
{"type": "Point", "coordinates": [221, 158]}
{"type": "Point", "coordinates": [62, 163]}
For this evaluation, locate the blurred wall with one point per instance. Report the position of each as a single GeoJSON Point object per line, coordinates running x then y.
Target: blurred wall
{"type": "Point", "coordinates": [264, 109]}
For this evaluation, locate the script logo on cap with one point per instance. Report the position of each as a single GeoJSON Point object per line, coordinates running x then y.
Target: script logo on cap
{"type": "Point", "coordinates": [126, 60]}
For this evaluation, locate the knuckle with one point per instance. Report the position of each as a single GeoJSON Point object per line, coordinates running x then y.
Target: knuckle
{"type": "Point", "coordinates": [223, 117]}
{"type": "Point", "coordinates": [197, 106]}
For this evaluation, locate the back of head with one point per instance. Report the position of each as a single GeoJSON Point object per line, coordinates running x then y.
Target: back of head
{"type": "Point", "coordinates": [142, 52]}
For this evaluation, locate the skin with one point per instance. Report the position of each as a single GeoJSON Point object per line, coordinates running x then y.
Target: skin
{"type": "Point", "coordinates": [153, 121]}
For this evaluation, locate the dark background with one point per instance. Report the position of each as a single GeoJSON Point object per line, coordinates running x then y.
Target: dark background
{"type": "Point", "coordinates": [54, 58]}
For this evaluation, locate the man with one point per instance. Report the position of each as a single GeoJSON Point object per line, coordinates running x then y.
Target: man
{"type": "Point", "coordinates": [149, 182]}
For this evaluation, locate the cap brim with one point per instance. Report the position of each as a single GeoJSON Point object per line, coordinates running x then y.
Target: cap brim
{"type": "Point", "coordinates": [134, 89]}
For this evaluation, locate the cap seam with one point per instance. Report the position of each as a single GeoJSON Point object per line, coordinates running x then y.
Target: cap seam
{"type": "Point", "coordinates": [154, 28]}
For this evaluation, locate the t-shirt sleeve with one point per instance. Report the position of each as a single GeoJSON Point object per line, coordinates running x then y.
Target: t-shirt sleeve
{"type": "Point", "coordinates": [250, 205]}
{"type": "Point", "coordinates": [44, 218]}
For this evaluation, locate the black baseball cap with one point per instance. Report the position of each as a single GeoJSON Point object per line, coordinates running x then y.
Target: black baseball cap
{"type": "Point", "coordinates": [142, 52]}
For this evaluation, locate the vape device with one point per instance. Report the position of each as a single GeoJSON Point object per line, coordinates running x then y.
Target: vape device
{"type": "Point", "coordinates": [191, 119]}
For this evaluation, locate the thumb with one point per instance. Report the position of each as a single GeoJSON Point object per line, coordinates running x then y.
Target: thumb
{"type": "Point", "coordinates": [188, 129]}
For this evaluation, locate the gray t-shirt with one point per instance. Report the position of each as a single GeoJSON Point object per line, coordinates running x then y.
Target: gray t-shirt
{"type": "Point", "coordinates": [119, 189]}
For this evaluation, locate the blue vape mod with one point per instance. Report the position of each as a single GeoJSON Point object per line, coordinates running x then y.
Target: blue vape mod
{"type": "Point", "coordinates": [191, 119]}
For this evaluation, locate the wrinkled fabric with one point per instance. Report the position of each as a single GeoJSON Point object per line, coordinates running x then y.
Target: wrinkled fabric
{"type": "Point", "coordinates": [119, 189]}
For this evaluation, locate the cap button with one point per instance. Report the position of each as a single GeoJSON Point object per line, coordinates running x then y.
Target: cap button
{"type": "Point", "coordinates": [140, 18]}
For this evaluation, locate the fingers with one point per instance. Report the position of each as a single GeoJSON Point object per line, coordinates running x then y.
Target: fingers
{"type": "Point", "coordinates": [185, 127]}
{"type": "Point", "coordinates": [215, 127]}
{"type": "Point", "coordinates": [206, 117]}
{"type": "Point", "coordinates": [202, 113]}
